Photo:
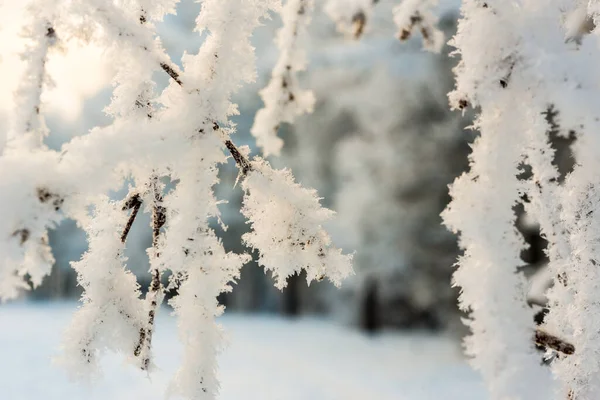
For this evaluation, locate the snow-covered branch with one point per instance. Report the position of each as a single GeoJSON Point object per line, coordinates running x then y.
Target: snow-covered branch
{"type": "Point", "coordinates": [28, 127]}
{"type": "Point", "coordinates": [538, 53]}
{"type": "Point", "coordinates": [111, 316]}
{"type": "Point", "coordinates": [417, 15]}
{"type": "Point", "coordinates": [284, 99]}
{"type": "Point", "coordinates": [25, 251]}
{"type": "Point", "coordinates": [483, 199]}
{"type": "Point", "coordinates": [154, 296]}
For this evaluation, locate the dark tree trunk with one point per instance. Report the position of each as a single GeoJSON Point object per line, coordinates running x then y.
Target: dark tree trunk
{"type": "Point", "coordinates": [370, 321]}
{"type": "Point", "coordinates": [291, 296]}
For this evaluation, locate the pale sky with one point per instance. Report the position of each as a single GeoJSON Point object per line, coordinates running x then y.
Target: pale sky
{"type": "Point", "coordinates": [78, 71]}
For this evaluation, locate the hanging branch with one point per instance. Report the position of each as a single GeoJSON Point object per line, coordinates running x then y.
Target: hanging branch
{"type": "Point", "coordinates": [27, 253]}
{"type": "Point", "coordinates": [492, 290]}
{"type": "Point", "coordinates": [30, 129]}
{"type": "Point", "coordinates": [283, 97]}
{"type": "Point", "coordinates": [143, 108]}
{"type": "Point", "coordinates": [537, 72]}
{"type": "Point", "coordinates": [155, 291]}
{"type": "Point", "coordinates": [111, 298]}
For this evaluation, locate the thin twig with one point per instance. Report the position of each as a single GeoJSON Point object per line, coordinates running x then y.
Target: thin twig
{"type": "Point", "coordinates": [144, 344]}
{"type": "Point", "coordinates": [133, 203]}
{"type": "Point", "coordinates": [159, 217]}
{"type": "Point", "coordinates": [50, 39]}
{"type": "Point", "coordinates": [110, 11]}
{"type": "Point", "coordinates": [171, 72]}
{"type": "Point", "coordinates": [549, 341]}
{"type": "Point", "coordinates": [242, 162]}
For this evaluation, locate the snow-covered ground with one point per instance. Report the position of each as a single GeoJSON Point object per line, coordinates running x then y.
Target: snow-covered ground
{"type": "Point", "coordinates": [267, 358]}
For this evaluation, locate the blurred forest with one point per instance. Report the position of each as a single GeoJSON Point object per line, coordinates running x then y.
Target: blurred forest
{"type": "Point", "coordinates": [380, 148]}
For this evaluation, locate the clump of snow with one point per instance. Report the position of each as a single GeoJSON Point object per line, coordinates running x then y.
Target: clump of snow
{"type": "Point", "coordinates": [297, 241]}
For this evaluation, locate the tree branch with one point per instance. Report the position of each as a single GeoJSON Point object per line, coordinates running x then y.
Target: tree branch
{"type": "Point", "coordinates": [159, 218]}
{"type": "Point", "coordinates": [168, 68]}
{"type": "Point", "coordinates": [165, 66]}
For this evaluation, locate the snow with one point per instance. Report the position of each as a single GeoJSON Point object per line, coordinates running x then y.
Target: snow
{"type": "Point", "coordinates": [267, 358]}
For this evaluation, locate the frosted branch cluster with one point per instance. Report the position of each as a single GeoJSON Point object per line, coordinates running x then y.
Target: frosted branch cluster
{"type": "Point", "coordinates": [182, 135]}
{"type": "Point", "coordinates": [529, 68]}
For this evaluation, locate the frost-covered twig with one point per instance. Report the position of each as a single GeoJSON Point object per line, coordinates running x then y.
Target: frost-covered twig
{"type": "Point", "coordinates": [132, 103]}
{"type": "Point", "coordinates": [125, 31]}
{"type": "Point", "coordinates": [411, 15]}
{"type": "Point", "coordinates": [284, 99]}
{"type": "Point", "coordinates": [155, 291]}
{"type": "Point", "coordinates": [129, 30]}
{"type": "Point", "coordinates": [26, 251]}
{"type": "Point", "coordinates": [350, 16]}
{"type": "Point", "coordinates": [29, 127]}
{"type": "Point", "coordinates": [240, 160]}
{"type": "Point", "coordinates": [111, 314]}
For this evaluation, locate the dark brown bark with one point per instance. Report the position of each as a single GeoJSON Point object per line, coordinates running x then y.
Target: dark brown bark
{"type": "Point", "coordinates": [242, 162]}
{"type": "Point", "coordinates": [133, 203]}
{"type": "Point", "coordinates": [171, 72]}
{"type": "Point", "coordinates": [555, 343]}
